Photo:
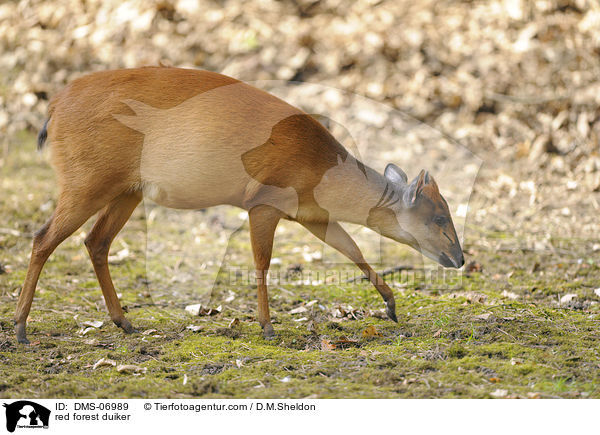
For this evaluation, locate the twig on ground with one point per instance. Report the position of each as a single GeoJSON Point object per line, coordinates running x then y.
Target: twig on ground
{"type": "Point", "coordinates": [385, 272]}
{"type": "Point", "coordinates": [503, 98]}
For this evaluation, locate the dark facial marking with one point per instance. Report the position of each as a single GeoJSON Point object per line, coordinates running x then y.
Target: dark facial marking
{"type": "Point", "coordinates": [388, 195]}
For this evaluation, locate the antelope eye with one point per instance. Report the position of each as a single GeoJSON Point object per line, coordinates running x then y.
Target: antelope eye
{"type": "Point", "coordinates": [440, 220]}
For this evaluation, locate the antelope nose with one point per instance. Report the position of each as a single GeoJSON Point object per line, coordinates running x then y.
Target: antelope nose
{"type": "Point", "coordinates": [459, 258]}
{"type": "Point", "coordinates": [453, 258]}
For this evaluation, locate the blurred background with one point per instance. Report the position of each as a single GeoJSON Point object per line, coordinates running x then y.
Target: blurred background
{"type": "Point", "coordinates": [515, 78]}
{"type": "Point", "coordinates": [512, 84]}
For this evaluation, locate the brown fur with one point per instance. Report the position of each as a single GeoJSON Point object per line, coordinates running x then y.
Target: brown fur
{"type": "Point", "coordinates": [83, 132]}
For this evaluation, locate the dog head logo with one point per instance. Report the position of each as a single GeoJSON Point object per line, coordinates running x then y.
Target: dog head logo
{"type": "Point", "coordinates": [26, 414]}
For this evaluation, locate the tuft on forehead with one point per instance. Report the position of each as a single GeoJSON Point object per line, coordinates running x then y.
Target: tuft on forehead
{"type": "Point", "coordinates": [432, 193]}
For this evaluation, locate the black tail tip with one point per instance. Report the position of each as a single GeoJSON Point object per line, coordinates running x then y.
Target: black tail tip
{"type": "Point", "coordinates": [42, 136]}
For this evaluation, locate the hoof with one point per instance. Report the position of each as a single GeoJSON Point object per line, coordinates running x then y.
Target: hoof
{"type": "Point", "coordinates": [269, 332]}
{"type": "Point", "coordinates": [21, 336]}
{"type": "Point", "coordinates": [125, 325]}
{"type": "Point", "coordinates": [391, 311]}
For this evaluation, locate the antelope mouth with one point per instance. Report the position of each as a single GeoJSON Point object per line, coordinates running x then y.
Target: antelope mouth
{"type": "Point", "coordinates": [447, 261]}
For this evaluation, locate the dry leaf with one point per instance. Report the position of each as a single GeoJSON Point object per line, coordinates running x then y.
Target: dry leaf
{"type": "Point", "coordinates": [343, 342]}
{"type": "Point", "coordinates": [194, 309]}
{"type": "Point", "coordinates": [370, 331]}
{"type": "Point", "coordinates": [84, 331]}
{"type": "Point", "coordinates": [327, 346]}
{"type": "Point", "coordinates": [131, 369]}
{"type": "Point", "coordinates": [568, 298]}
{"type": "Point", "coordinates": [199, 310]}
{"type": "Point", "coordinates": [473, 266]}
{"type": "Point", "coordinates": [298, 310]}
{"type": "Point", "coordinates": [471, 297]}
{"type": "Point", "coordinates": [348, 312]}
{"type": "Point", "coordinates": [339, 313]}
{"type": "Point", "coordinates": [93, 323]}
{"type": "Point", "coordinates": [149, 331]}
{"type": "Point", "coordinates": [211, 311]}
{"type": "Point", "coordinates": [104, 362]}
{"type": "Point", "coordinates": [437, 334]}
{"type": "Point", "coordinates": [499, 393]}
{"type": "Point", "coordinates": [230, 297]}
{"type": "Point", "coordinates": [510, 295]}
{"type": "Point", "coordinates": [234, 323]}
{"type": "Point", "coordinates": [194, 328]}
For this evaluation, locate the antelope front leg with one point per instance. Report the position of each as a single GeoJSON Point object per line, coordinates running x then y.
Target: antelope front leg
{"type": "Point", "coordinates": [263, 221]}
{"type": "Point", "coordinates": [335, 236]}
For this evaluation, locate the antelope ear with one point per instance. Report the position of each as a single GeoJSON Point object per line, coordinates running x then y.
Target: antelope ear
{"type": "Point", "coordinates": [415, 187]}
{"type": "Point", "coordinates": [394, 174]}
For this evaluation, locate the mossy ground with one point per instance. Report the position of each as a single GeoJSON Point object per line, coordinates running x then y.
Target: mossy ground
{"type": "Point", "coordinates": [501, 328]}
